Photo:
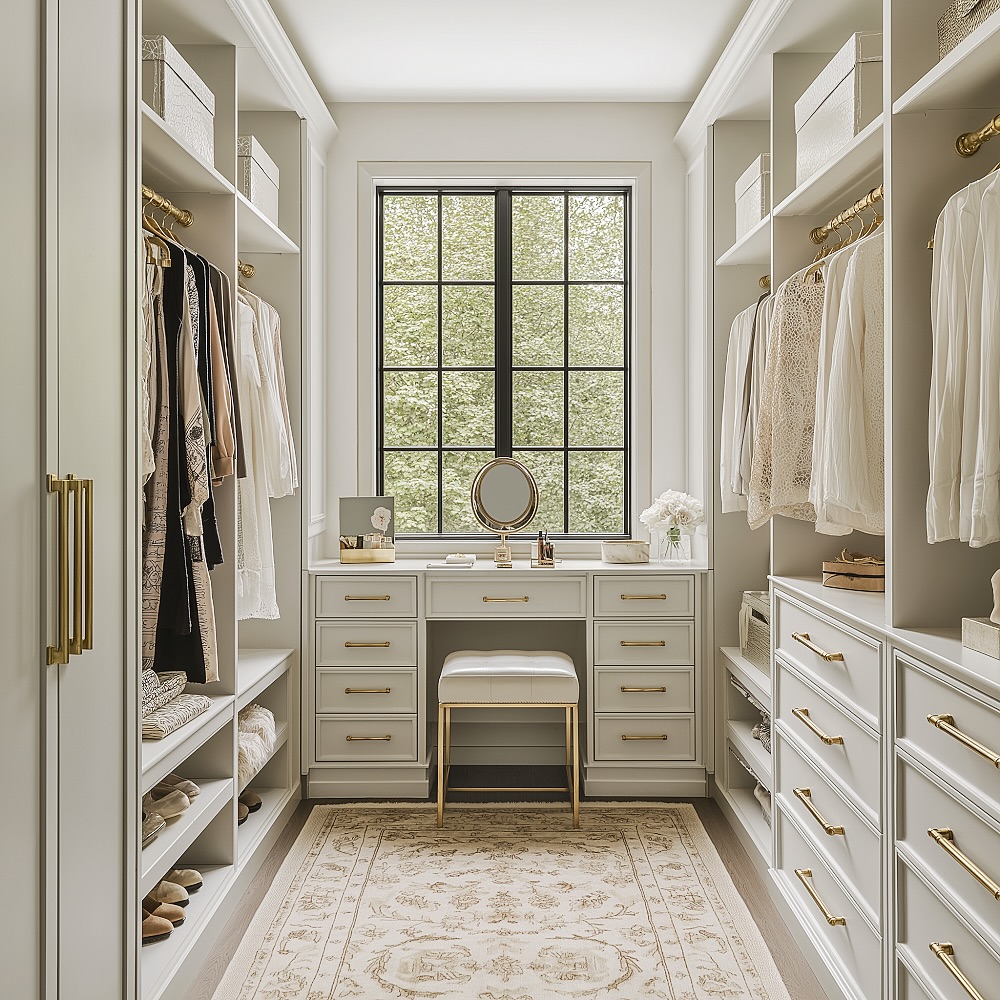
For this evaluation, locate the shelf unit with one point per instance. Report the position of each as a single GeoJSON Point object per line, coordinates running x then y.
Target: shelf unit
{"type": "Point", "coordinates": [161, 757]}
{"type": "Point", "coordinates": [753, 247]}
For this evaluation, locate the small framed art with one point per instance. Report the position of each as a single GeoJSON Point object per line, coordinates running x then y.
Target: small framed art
{"type": "Point", "coordinates": [367, 530]}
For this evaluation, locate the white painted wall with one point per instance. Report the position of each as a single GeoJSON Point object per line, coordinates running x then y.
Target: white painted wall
{"type": "Point", "coordinates": [603, 140]}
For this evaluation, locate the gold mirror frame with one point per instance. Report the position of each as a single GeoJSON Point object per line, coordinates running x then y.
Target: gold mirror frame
{"type": "Point", "coordinates": [503, 527]}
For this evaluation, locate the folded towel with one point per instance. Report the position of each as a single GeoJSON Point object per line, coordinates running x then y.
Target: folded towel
{"type": "Point", "coordinates": [180, 710]}
{"type": "Point", "coordinates": [162, 688]}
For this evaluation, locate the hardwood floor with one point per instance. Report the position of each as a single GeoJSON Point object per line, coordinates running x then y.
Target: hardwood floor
{"type": "Point", "coordinates": [795, 971]}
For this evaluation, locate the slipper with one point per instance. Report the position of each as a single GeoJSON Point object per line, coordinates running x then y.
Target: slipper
{"type": "Point", "coordinates": [251, 799]}
{"type": "Point", "coordinates": [154, 928]}
{"type": "Point", "coordinates": [187, 878]}
{"type": "Point", "coordinates": [172, 783]}
{"type": "Point", "coordinates": [172, 804]}
{"type": "Point", "coordinates": [168, 911]}
{"type": "Point", "coordinates": [152, 824]}
{"type": "Point", "coordinates": [169, 892]}
{"type": "Point", "coordinates": [241, 814]}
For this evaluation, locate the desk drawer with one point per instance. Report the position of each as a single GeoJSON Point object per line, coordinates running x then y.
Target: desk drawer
{"type": "Point", "coordinates": [544, 595]}
{"type": "Point", "coordinates": [643, 644]}
{"type": "Point", "coordinates": [856, 678]}
{"type": "Point", "coordinates": [366, 596]}
{"type": "Point", "coordinates": [366, 737]}
{"type": "Point", "coordinates": [854, 761]}
{"type": "Point", "coordinates": [643, 689]}
{"type": "Point", "coordinates": [644, 737]}
{"type": "Point", "coordinates": [366, 644]}
{"type": "Point", "coordinates": [386, 690]}
{"type": "Point", "coordinates": [643, 595]}
{"type": "Point", "coordinates": [921, 693]}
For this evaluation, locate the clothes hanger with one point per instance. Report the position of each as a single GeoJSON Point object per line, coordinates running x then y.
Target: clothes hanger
{"type": "Point", "coordinates": [151, 234]}
{"type": "Point", "coordinates": [815, 270]}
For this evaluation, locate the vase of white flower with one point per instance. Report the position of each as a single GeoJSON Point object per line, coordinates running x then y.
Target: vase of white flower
{"type": "Point", "coordinates": [672, 519]}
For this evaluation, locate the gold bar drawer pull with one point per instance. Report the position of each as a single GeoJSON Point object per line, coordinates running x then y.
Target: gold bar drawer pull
{"type": "Point", "coordinates": [804, 795]}
{"type": "Point", "coordinates": [367, 645]}
{"type": "Point", "coordinates": [946, 723]}
{"type": "Point", "coordinates": [803, 637]}
{"type": "Point", "coordinates": [803, 875]}
{"type": "Point", "coordinates": [632, 642]}
{"type": "Point", "coordinates": [802, 714]}
{"type": "Point", "coordinates": [946, 954]}
{"type": "Point", "coordinates": [945, 839]}
{"type": "Point", "coordinates": [377, 739]}
{"type": "Point", "coordinates": [367, 597]}
{"type": "Point", "coordinates": [367, 690]}
{"type": "Point", "coordinates": [643, 597]}
{"type": "Point", "coordinates": [505, 600]}
{"type": "Point", "coordinates": [626, 737]}
{"type": "Point", "coordinates": [631, 690]}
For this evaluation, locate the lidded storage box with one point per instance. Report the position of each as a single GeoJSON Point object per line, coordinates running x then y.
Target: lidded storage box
{"type": "Point", "coordinates": [839, 103]}
{"type": "Point", "coordinates": [178, 95]}
{"type": "Point", "coordinates": [960, 19]}
{"type": "Point", "coordinates": [753, 195]}
{"type": "Point", "coordinates": [755, 628]}
{"type": "Point", "coordinates": [257, 176]}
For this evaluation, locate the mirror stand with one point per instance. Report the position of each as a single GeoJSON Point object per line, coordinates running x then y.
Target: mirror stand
{"type": "Point", "coordinates": [502, 554]}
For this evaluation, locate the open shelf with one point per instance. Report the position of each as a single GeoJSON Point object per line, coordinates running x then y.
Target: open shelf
{"type": "Point", "coordinates": [256, 233]}
{"type": "Point", "coordinates": [180, 833]}
{"type": "Point", "coordinates": [753, 248]}
{"type": "Point", "coordinates": [749, 813]}
{"type": "Point", "coordinates": [250, 833]}
{"type": "Point", "coordinates": [258, 669]}
{"type": "Point", "coordinates": [169, 164]}
{"type": "Point", "coordinates": [752, 677]}
{"type": "Point", "coordinates": [281, 738]}
{"type": "Point", "coordinates": [858, 164]}
{"type": "Point", "coordinates": [740, 733]}
{"type": "Point", "coordinates": [160, 757]}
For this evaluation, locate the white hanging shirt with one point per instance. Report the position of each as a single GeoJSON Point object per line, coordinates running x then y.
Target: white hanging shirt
{"type": "Point", "coordinates": [753, 387]}
{"type": "Point", "coordinates": [732, 406]}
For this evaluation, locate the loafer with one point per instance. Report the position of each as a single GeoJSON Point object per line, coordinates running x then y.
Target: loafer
{"type": "Point", "coordinates": [241, 814]}
{"type": "Point", "coordinates": [174, 782]}
{"type": "Point", "coordinates": [168, 911]}
{"type": "Point", "coordinates": [250, 799]}
{"type": "Point", "coordinates": [187, 878]}
{"type": "Point", "coordinates": [172, 804]}
{"type": "Point", "coordinates": [169, 892]}
{"type": "Point", "coordinates": [152, 824]}
{"type": "Point", "coordinates": [155, 928]}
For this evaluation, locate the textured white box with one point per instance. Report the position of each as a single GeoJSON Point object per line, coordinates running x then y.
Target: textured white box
{"type": "Point", "coordinates": [257, 175]}
{"type": "Point", "coordinates": [178, 95]}
{"type": "Point", "coordinates": [839, 103]}
{"type": "Point", "coordinates": [981, 635]}
{"type": "Point", "coordinates": [753, 194]}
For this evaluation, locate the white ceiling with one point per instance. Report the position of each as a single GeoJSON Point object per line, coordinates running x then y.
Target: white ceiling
{"type": "Point", "coordinates": [510, 50]}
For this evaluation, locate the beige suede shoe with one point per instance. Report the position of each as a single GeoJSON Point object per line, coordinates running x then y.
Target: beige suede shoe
{"type": "Point", "coordinates": [170, 805]}
{"type": "Point", "coordinates": [250, 799]}
{"type": "Point", "coordinates": [168, 911]}
{"type": "Point", "coordinates": [169, 892]}
{"type": "Point", "coordinates": [152, 824]}
{"type": "Point", "coordinates": [188, 878]}
{"type": "Point", "coordinates": [154, 928]}
{"type": "Point", "coordinates": [172, 782]}
{"type": "Point", "coordinates": [241, 814]}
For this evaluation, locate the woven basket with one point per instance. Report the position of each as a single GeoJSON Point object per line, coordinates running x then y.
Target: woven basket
{"type": "Point", "coordinates": [755, 628]}
{"type": "Point", "coordinates": [959, 21]}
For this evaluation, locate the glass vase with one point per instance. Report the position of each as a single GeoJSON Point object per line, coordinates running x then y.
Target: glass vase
{"type": "Point", "coordinates": [671, 545]}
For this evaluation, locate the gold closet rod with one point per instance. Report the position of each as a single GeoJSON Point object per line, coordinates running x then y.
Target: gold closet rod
{"type": "Point", "coordinates": [969, 143]}
{"type": "Point", "coordinates": [247, 270]}
{"type": "Point", "coordinates": [182, 215]}
{"type": "Point", "coordinates": [820, 233]}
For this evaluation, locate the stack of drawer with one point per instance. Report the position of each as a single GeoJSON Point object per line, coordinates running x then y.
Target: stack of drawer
{"type": "Point", "coordinates": [947, 835]}
{"type": "Point", "coordinates": [643, 686]}
{"type": "Point", "coordinates": [366, 668]}
{"type": "Point", "coordinates": [828, 785]}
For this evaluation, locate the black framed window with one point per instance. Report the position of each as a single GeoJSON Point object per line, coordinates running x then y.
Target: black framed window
{"type": "Point", "coordinates": [504, 330]}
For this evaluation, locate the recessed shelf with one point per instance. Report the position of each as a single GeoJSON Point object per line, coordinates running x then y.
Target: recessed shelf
{"type": "Point", "coordinates": [168, 164]}
{"type": "Point", "coordinates": [967, 77]}
{"type": "Point", "coordinates": [740, 733]}
{"type": "Point", "coordinates": [258, 669]}
{"type": "Point", "coordinates": [758, 682]}
{"type": "Point", "coordinates": [253, 830]}
{"type": "Point", "coordinates": [160, 757]}
{"type": "Point", "coordinates": [753, 248]}
{"type": "Point", "coordinates": [256, 233]}
{"type": "Point", "coordinates": [748, 812]}
{"type": "Point", "coordinates": [858, 165]}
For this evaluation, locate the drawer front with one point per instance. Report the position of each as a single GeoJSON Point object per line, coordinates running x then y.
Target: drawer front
{"type": "Point", "coordinates": [922, 694]}
{"type": "Point", "coordinates": [855, 678]}
{"type": "Point", "coordinates": [345, 691]}
{"type": "Point", "coordinates": [366, 738]}
{"type": "Point", "coordinates": [644, 737]}
{"type": "Point", "coordinates": [960, 839]}
{"type": "Point", "coordinates": [643, 595]}
{"type": "Point", "coordinates": [540, 596]}
{"type": "Point", "coordinates": [854, 761]}
{"type": "Point", "coordinates": [924, 921]}
{"type": "Point", "coordinates": [366, 596]}
{"type": "Point", "coordinates": [909, 988]}
{"type": "Point", "coordinates": [851, 846]}
{"type": "Point", "coordinates": [856, 946]}
{"type": "Point", "coordinates": [643, 689]}
{"type": "Point", "coordinates": [366, 644]}
{"type": "Point", "coordinates": [643, 644]}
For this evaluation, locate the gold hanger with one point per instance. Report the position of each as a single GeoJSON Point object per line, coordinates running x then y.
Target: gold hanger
{"type": "Point", "coordinates": [155, 235]}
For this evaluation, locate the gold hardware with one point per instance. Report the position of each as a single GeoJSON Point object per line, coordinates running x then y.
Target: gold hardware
{"type": "Point", "coordinates": [970, 143]}
{"type": "Point", "coordinates": [366, 645]}
{"type": "Point", "coordinates": [946, 954]}
{"type": "Point", "coordinates": [76, 636]}
{"type": "Point", "coordinates": [60, 652]}
{"type": "Point", "coordinates": [366, 597]}
{"type": "Point", "coordinates": [802, 714]}
{"type": "Point", "coordinates": [644, 597]}
{"type": "Point", "coordinates": [764, 281]}
{"type": "Point", "coordinates": [87, 639]}
{"type": "Point", "coordinates": [635, 642]}
{"type": "Point", "coordinates": [946, 723]}
{"type": "Point", "coordinates": [83, 564]}
{"type": "Point", "coordinates": [363, 739]}
{"type": "Point", "coordinates": [804, 795]}
{"type": "Point", "coordinates": [625, 737]}
{"type": "Point", "coordinates": [630, 690]}
{"type": "Point", "coordinates": [505, 600]}
{"type": "Point", "coordinates": [803, 637]}
{"type": "Point", "coordinates": [246, 270]}
{"type": "Point", "coordinates": [182, 215]}
{"type": "Point", "coordinates": [367, 690]}
{"type": "Point", "coordinates": [945, 839]}
{"type": "Point", "coordinates": [802, 874]}
{"type": "Point", "coordinates": [820, 233]}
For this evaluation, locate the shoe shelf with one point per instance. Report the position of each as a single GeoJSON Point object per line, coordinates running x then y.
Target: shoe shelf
{"type": "Point", "coordinates": [169, 164]}
{"type": "Point", "coordinates": [252, 831]}
{"type": "Point", "coordinates": [281, 738]}
{"type": "Point", "coordinates": [181, 832]}
{"type": "Point", "coordinates": [752, 248]}
{"type": "Point", "coordinates": [749, 674]}
{"type": "Point", "coordinates": [161, 757]}
{"type": "Point", "coordinates": [256, 233]}
{"type": "Point", "coordinates": [740, 734]}
{"type": "Point", "coordinates": [258, 669]}
{"type": "Point", "coordinates": [748, 812]}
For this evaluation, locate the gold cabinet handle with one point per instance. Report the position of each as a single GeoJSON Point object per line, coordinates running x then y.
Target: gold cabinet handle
{"type": "Point", "coordinates": [87, 488]}
{"type": "Point", "coordinates": [82, 636]}
{"type": "Point", "coordinates": [367, 645]}
{"type": "Point", "coordinates": [362, 739]}
{"type": "Point", "coordinates": [946, 723]}
{"type": "Point", "coordinates": [802, 714]}
{"type": "Point", "coordinates": [637, 690]}
{"type": "Point", "coordinates": [367, 690]}
{"type": "Point", "coordinates": [945, 953]}
{"type": "Point", "coordinates": [803, 637]}
{"type": "Point", "coordinates": [804, 795]}
{"type": "Point", "coordinates": [804, 875]}
{"type": "Point", "coordinates": [626, 737]}
{"type": "Point", "coordinates": [643, 597]}
{"type": "Point", "coordinates": [945, 839]}
{"type": "Point", "coordinates": [367, 597]}
{"type": "Point", "coordinates": [505, 600]}
{"type": "Point", "coordinates": [59, 653]}
{"type": "Point", "coordinates": [632, 642]}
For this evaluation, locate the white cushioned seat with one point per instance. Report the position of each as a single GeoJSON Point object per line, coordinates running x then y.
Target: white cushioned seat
{"type": "Point", "coordinates": [499, 676]}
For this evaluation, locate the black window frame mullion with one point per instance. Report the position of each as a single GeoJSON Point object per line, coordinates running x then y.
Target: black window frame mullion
{"type": "Point", "coordinates": [440, 363]}
{"type": "Point", "coordinates": [503, 313]}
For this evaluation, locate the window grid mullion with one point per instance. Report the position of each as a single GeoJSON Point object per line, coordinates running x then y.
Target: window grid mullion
{"type": "Point", "coordinates": [566, 362]}
{"type": "Point", "coordinates": [440, 370]}
{"type": "Point", "coordinates": [504, 324]}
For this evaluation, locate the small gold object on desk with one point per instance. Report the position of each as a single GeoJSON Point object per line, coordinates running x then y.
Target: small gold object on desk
{"type": "Point", "coordinates": [853, 571]}
{"type": "Point", "coordinates": [545, 552]}
{"type": "Point", "coordinates": [366, 534]}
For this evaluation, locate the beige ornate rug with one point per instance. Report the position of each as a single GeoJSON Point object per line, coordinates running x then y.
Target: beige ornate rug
{"type": "Point", "coordinates": [505, 903]}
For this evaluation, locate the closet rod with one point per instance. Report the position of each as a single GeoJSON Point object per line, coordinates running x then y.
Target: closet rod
{"type": "Point", "coordinates": [820, 233]}
{"type": "Point", "coordinates": [969, 143]}
{"type": "Point", "coordinates": [182, 215]}
{"type": "Point", "coordinates": [247, 270]}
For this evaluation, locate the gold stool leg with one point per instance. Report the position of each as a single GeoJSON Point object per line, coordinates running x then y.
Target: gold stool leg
{"type": "Point", "coordinates": [576, 767]}
{"type": "Point", "coordinates": [441, 778]}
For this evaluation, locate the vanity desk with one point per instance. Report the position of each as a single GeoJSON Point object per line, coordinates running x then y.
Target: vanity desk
{"type": "Point", "coordinates": [378, 634]}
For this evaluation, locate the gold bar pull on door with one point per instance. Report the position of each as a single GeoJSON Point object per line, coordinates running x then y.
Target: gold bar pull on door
{"type": "Point", "coordinates": [59, 653]}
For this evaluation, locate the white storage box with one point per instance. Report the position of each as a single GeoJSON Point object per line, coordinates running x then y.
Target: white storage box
{"type": "Point", "coordinates": [839, 103]}
{"type": "Point", "coordinates": [178, 95]}
{"type": "Point", "coordinates": [257, 175]}
{"type": "Point", "coordinates": [753, 195]}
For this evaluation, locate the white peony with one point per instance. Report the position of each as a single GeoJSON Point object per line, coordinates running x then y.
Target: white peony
{"type": "Point", "coordinates": [673, 509]}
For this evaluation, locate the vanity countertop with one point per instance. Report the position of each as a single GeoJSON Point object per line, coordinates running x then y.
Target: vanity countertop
{"type": "Point", "coordinates": [484, 564]}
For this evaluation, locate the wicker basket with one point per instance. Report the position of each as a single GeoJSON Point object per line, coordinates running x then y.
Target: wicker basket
{"type": "Point", "coordinates": [755, 628]}
{"type": "Point", "coordinates": [959, 21]}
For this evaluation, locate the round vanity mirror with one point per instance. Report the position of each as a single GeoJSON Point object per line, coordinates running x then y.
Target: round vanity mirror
{"type": "Point", "coordinates": [504, 499]}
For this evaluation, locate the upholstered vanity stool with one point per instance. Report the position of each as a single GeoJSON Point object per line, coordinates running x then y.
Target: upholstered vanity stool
{"type": "Point", "coordinates": [509, 678]}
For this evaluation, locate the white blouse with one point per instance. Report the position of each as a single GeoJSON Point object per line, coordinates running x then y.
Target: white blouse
{"type": "Point", "coordinates": [732, 407]}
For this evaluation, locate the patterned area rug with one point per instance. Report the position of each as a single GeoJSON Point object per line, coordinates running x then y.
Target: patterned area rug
{"type": "Point", "coordinates": [505, 903]}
